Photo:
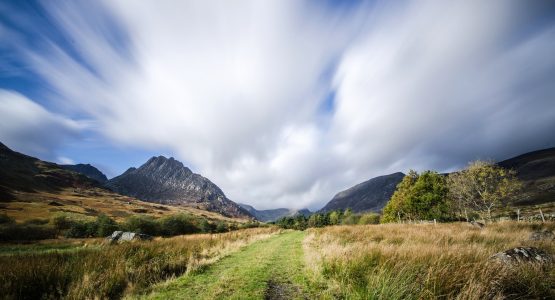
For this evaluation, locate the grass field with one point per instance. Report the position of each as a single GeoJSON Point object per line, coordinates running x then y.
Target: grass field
{"type": "Point", "coordinates": [111, 271]}
{"type": "Point", "coordinates": [425, 261]}
{"type": "Point", "coordinates": [393, 261]}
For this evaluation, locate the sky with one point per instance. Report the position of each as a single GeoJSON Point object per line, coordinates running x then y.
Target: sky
{"type": "Point", "coordinates": [281, 103]}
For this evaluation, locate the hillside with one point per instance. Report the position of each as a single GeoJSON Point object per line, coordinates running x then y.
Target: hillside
{"type": "Point", "coordinates": [371, 195]}
{"type": "Point", "coordinates": [31, 188]}
{"type": "Point", "coordinates": [537, 172]}
{"type": "Point", "coordinates": [87, 170]}
{"type": "Point", "coordinates": [270, 215]}
{"type": "Point", "coordinates": [167, 181]}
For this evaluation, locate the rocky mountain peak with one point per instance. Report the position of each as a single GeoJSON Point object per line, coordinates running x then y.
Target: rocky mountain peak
{"type": "Point", "coordinates": [167, 180]}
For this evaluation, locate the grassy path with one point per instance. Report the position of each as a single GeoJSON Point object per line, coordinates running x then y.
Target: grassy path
{"type": "Point", "coordinates": [267, 269]}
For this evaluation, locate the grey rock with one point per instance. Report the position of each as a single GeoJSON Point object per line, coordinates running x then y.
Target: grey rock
{"type": "Point", "coordinates": [121, 236]}
{"type": "Point", "coordinates": [168, 181]}
{"type": "Point", "coordinates": [542, 235]}
{"type": "Point", "coordinates": [522, 254]}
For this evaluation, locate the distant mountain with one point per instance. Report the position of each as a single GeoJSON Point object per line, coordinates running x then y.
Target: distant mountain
{"type": "Point", "coordinates": [87, 170]}
{"type": "Point", "coordinates": [166, 180]}
{"type": "Point", "coordinates": [371, 195]}
{"type": "Point", "coordinates": [270, 215]}
{"type": "Point", "coordinates": [19, 172]}
{"type": "Point", "coordinates": [537, 172]}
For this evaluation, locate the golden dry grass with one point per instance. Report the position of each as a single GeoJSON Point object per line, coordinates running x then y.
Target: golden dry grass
{"type": "Point", "coordinates": [92, 202]}
{"type": "Point", "coordinates": [450, 261]}
{"type": "Point", "coordinates": [113, 271]}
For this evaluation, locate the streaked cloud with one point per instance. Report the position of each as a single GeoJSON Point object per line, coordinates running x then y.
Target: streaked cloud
{"type": "Point", "coordinates": [284, 103]}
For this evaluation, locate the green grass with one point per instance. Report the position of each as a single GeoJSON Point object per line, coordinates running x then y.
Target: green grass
{"type": "Point", "coordinates": [41, 248]}
{"type": "Point", "coordinates": [274, 265]}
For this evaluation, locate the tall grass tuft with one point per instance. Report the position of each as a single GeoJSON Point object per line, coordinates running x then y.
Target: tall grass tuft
{"type": "Point", "coordinates": [425, 261]}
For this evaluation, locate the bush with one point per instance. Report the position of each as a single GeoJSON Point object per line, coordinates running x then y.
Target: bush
{"type": "Point", "coordinates": [176, 225]}
{"type": "Point", "coordinates": [105, 226]}
{"type": "Point", "coordinates": [26, 232]}
{"type": "Point", "coordinates": [81, 230]}
{"type": "Point", "coordinates": [5, 219]}
{"type": "Point", "coordinates": [370, 218]}
{"type": "Point", "coordinates": [141, 224]}
{"type": "Point", "coordinates": [61, 222]}
{"type": "Point", "coordinates": [36, 222]}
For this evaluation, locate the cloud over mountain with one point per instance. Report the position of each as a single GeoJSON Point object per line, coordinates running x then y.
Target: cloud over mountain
{"type": "Point", "coordinates": [284, 103]}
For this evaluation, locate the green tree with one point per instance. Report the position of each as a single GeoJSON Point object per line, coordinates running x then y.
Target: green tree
{"type": "Point", "coordinates": [418, 197]}
{"type": "Point", "coordinates": [483, 186]}
{"type": "Point", "coordinates": [335, 217]}
{"type": "Point", "coordinates": [397, 208]}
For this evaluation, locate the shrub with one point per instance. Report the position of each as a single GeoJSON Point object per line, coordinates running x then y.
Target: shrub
{"type": "Point", "coordinates": [141, 224]}
{"type": "Point", "coordinates": [176, 225]}
{"type": "Point", "coordinates": [36, 222]}
{"type": "Point", "coordinates": [26, 232]}
{"type": "Point", "coordinates": [370, 218]}
{"type": "Point", "coordinates": [5, 219]}
{"type": "Point", "coordinates": [80, 230]}
{"type": "Point", "coordinates": [61, 222]}
{"type": "Point", "coordinates": [105, 226]}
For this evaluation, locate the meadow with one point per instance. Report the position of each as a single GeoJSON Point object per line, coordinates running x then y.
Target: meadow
{"type": "Point", "coordinates": [87, 269]}
{"type": "Point", "coordinates": [383, 261]}
{"type": "Point", "coordinates": [425, 261]}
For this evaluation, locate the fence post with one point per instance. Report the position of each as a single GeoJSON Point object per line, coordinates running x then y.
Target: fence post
{"type": "Point", "coordinates": [541, 214]}
{"type": "Point", "coordinates": [518, 215]}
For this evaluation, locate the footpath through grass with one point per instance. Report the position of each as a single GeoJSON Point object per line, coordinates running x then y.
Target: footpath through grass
{"type": "Point", "coordinates": [269, 269]}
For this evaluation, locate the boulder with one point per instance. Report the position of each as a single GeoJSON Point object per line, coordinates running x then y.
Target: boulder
{"type": "Point", "coordinates": [121, 236]}
{"type": "Point", "coordinates": [523, 254]}
{"type": "Point", "coordinates": [542, 235]}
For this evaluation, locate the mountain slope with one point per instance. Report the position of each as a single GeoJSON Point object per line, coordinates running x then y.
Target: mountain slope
{"type": "Point", "coordinates": [167, 181]}
{"type": "Point", "coordinates": [87, 170]}
{"type": "Point", "coordinates": [19, 172]}
{"type": "Point", "coordinates": [537, 172]}
{"type": "Point", "coordinates": [34, 189]}
{"type": "Point", "coordinates": [270, 215]}
{"type": "Point", "coordinates": [371, 195]}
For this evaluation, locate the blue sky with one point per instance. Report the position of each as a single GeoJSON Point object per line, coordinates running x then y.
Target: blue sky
{"type": "Point", "coordinates": [281, 103]}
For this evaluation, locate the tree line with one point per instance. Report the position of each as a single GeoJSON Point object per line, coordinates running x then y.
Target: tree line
{"type": "Point", "coordinates": [335, 217]}
{"type": "Point", "coordinates": [68, 226]}
{"type": "Point", "coordinates": [472, 193]}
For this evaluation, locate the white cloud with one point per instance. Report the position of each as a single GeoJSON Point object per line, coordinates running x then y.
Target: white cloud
{"type": "Point", "coordinates": [65, 160]}
{"type": "Point", "coordinates": [28, 127]}
{"type": "Point", "coordinates": [236, 89]}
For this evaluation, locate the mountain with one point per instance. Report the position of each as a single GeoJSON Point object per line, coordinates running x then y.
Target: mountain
{"type": "Point", "coordinates": [87, 170]}
{"type": "Point", "coordinates": [32, 189]}
{"type": "Point", "coordinates": [166, 180]}
{"type": "Point", "coordinates": [371, 195]}
{"type": "Point", "coordinates": [536, 170]}
{"type": "Point", "coordinates": [270, 215]}
{"type": "Point", "coordinates": [19, 172]}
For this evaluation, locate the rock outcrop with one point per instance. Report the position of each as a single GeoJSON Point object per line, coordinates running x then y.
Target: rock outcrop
{"type": "Point", "coordinates": [523, 254]}
{"type": "Point", "coordinates": [121, 236]}
{"type": "Point", "coordinates": [168, 181]}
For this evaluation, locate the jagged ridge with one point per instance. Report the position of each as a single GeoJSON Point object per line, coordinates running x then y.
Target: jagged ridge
{"type": "Point", "coordinates": [168, 181]}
